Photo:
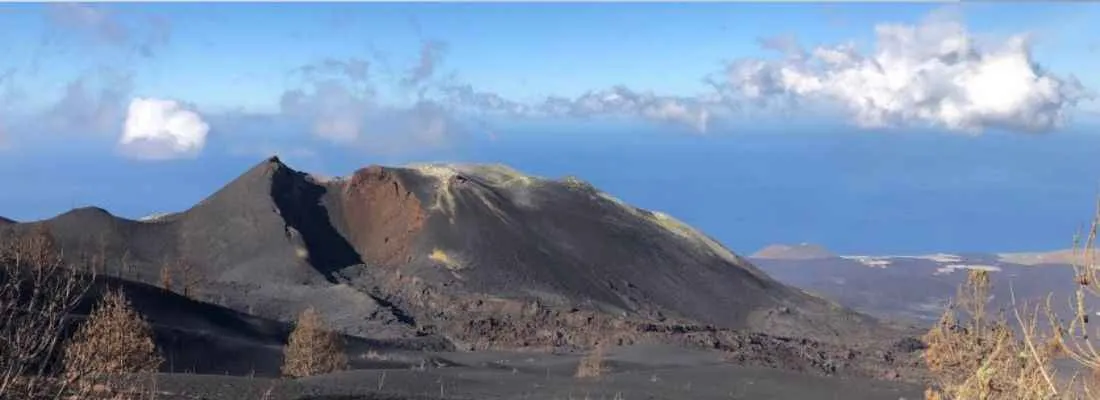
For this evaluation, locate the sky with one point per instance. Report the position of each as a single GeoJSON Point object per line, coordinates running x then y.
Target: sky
{"type": "Point", "coordinates": [867, 128]}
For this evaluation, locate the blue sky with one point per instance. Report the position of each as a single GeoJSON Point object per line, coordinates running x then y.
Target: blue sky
{"type": "Point", "coordinates": [846, 120]}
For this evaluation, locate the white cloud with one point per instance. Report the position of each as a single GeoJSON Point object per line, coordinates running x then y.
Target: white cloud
{"type": "Point", "coordinates": [933, 73]}
{"type": "Point", "coordinates": [159, 129]}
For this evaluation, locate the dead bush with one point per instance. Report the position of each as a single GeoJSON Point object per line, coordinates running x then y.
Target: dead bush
{"type": "Point", "coordinates": [974, 354]}
{"type": "Point", "coordinates": [592, 365]}
{"type": "Point", "coordinates": [114, 341]}
{"type": "Point", "coordinates": [38, 290]}
{"type": "Point", "coordinates": [312, 348]}
{"type": "Point", "coordinates": [976, 357]}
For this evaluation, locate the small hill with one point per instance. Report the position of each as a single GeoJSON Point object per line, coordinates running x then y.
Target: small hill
{"type": "Point", "coordinates": [5, 221]}
{"type": "Point", "coordinates": [804, 251]}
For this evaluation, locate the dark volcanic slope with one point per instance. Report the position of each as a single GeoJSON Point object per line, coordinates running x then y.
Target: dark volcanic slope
{"type": "Point", "coordinates": [483, 255]}
{"type": "Point", "coordinates": [5, 221]}
{"type": "Point", "coordinates": [489, 229]}
{"type": "Point", "coordinates": [262, 245]}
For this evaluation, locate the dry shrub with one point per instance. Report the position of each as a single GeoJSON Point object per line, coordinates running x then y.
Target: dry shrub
{"type": "Point", "coordinates": [977, 355]}
{"type": "Point", "coordinates": [166, 277]}
{"type": "Point", "coordinates": [312, 348]}
{"type": "Point", "coordinates": [114, 341]}
{"type": "Point", "coordinates": [37, 291]}
{"type": "Point", "coordinates": [980, 358]}
{"type": "Point", "coordinates": [591, 366]}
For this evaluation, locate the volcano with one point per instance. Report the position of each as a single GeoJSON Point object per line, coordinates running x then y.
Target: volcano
{"type": "Point", "coordinates": [481, 255]}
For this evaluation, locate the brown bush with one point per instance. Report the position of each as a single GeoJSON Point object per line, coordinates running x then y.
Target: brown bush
{"type": "Point", "coordinates": [976, 357]}
{"type": "Point", "coordinates": [37, 291]}
{"type": "Point", "coordinates": [591, 366]}
{"type": "Point", "coordinates": [114, 341]}
{"type": "Point", "coordinates": [312, 348]}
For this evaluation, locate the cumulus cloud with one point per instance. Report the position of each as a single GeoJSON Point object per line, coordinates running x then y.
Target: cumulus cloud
{"type": "Point", "coordinates": [158, 129]}
{"type": "Point", "coordinates": [932, 73]}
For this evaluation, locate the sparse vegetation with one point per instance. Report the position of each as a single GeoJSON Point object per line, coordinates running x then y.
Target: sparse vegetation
{"type": "Point", "coordinates": [980, 356]}
{"type": "Point", "coordinates": [592, 365]}
{"type": "Point", "coordinates": [976, 355]}
{"type": "Point", "coordinates": [114, 341]}
{"type": "Point", "coordinates": [166, 277]}
{"type": "Point", "coordinates": [189, 275]}
{"type": "Point", "coordinates": [312, 348]}
{"type": "Point", "coordinates": [37, 291]}
{"type": "Point", "coordinates": [180, 274]}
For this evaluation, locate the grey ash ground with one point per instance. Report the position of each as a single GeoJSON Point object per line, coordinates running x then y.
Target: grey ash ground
{"type": "Point", "coordinates": [478, 281]}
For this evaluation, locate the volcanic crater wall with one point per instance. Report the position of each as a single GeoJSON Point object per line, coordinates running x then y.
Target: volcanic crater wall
{"type": "Point", "coordinates": [382, 215]}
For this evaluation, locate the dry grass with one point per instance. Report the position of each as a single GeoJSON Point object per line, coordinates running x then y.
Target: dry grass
{"type": "Point", "coordinates": [976, 355]}
{"type": "Point", "coordinates": [312, 348]}
{"type": "Point", "coordinates": [592, 365]}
